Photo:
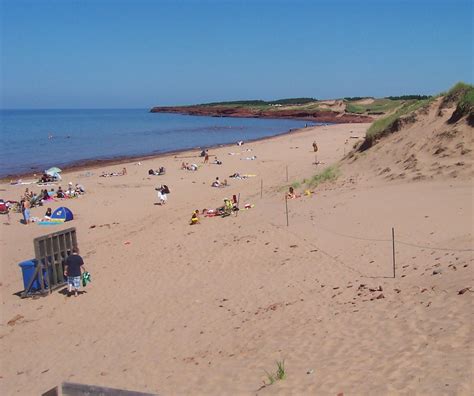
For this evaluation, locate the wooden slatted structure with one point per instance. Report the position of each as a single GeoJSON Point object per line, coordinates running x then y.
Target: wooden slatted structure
{"type": "Point", "coordinates": [72, 389]}
{"type": "Point", "coordinates": [51, 251]}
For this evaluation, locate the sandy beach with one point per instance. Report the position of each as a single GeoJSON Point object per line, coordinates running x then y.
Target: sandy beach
{"type": "Point", "coordinates": [175, 309]}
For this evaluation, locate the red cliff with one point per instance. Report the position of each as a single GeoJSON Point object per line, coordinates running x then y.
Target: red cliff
{"type": "Point", "coordinates": [223, 111]}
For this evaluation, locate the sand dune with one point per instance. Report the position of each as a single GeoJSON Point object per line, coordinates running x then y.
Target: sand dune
{"type": "Point", "coordinates": [207, 309]}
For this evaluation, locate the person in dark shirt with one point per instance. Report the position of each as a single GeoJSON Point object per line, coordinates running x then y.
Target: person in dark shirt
{"type": "Point", "coordinates": [73, 269]}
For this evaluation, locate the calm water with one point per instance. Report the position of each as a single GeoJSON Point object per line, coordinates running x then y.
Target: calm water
{"type": "Point", "coordinates": [81, 135]}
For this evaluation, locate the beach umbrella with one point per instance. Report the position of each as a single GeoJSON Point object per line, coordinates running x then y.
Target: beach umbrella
{"type": "Point", "coordinates": [53, 170]}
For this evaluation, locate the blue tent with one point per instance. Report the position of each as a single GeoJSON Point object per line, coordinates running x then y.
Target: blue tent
{"type": "Point", "coordinates": [62, 213]}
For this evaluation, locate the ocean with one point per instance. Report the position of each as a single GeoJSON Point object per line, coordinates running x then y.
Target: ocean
{"type": "Point", "coordinates": [34, 140]}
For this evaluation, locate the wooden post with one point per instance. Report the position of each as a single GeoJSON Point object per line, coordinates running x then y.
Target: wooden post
{"type": "Point", "coordinates": [393, 250]}
{"type": "Point", "coordinates": [261, 189]}
{"type": "Point", "coordinates": [238, 205]}
{"type": "Point", "coordinates": [286, 204]}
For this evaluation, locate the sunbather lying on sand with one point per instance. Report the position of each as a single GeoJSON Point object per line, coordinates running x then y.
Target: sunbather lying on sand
{"type": "Point", "coordinates": [159, 172]}
{"type": "Point", "coordinates": [110, 174]}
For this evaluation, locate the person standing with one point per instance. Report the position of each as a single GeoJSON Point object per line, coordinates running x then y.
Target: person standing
{"type": "Point", "coordinates": [26, 211]}
{"type": "Point", "coordinates": [73, 270]}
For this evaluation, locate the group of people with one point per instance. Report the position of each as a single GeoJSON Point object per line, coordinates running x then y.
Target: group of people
{"type": "Point", "coordinates": [159, 172]}
{"type": "Point", "coordinates": [229, 207]}
{"type": "Point", "coordinates": [47, 178]}
{"type": "Point", "coordinates": [30, 199]}
{"type": "Point", "coordinates": [190, 167]}
{"type": "Point", "coordinates": [205, 154]}
{"type": "Point", "coordinates": [218, 183]}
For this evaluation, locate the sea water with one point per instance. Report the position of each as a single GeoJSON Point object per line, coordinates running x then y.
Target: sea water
{"type": "Point", "coordinates": [34, 140]}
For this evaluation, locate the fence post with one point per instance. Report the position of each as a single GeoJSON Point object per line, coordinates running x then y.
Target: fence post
{"type": "Point", "coordinates": [393, 250]}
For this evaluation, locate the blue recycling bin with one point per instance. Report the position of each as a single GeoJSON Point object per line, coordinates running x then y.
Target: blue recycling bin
{"type": "Point", "coordinates": [28, 269]}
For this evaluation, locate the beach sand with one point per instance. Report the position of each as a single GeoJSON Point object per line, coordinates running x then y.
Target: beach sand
{"type": "Point", "coordinates": [208, 309]}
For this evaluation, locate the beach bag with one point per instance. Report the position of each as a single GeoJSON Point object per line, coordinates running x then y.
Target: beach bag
{"type": "Point", "coordinates": [86, 278]}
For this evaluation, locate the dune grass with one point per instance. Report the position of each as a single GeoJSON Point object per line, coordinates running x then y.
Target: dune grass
{"type": "Point", "coordinates": [466, 97]}
{"type": "Point", "coordinates": [328, 174]}
{"type": "Point", "coordinates": [280, 373]}
{"type": "Point", "coordinates": [379, 126]}
{"type": "Point", "coordinates": [378, 105]}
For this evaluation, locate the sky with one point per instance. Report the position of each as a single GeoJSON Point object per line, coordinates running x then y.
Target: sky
{"type": "Point", "coordinates": [144, 53]}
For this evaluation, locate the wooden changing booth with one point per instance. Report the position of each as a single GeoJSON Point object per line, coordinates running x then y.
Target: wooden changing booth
{"type": "Point", "coordinates": [51, 251]}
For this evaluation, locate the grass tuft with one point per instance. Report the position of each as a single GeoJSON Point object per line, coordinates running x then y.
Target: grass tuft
{"type": "Point", "coordinates": [280, 373]}
{"type": "Point", "coordinates": [328, 174]}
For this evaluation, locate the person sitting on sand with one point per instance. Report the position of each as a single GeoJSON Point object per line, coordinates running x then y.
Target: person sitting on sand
{"type": "Point", "coordinates": [60, 193]}
{"type": "Point", "coordinates": [194, 217]}
{"type": "Point", "coordinates": [184, 165]}
{"type": "Point", "coordinates": [28, 194]}
{"type": "Point", "coordinates": [291, 193]}
{"type": "Point", "coordinates": [47, 215]}
{"type": "Point", "coordinates": [70, 192]}
{"type": "Point", "coordinates": [216, 183]}
{"type": "Point", "coordinates": [192, 167]}
{"type": "Point", "coordinates": [217, 162]}
{"type": "Point", "coordinates": [45, 195]}
{"type": "Point", "coordinates": [80, 189]}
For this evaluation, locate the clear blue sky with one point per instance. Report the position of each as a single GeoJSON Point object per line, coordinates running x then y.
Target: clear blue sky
{"type": "Point", "coordinates": [141, 53]}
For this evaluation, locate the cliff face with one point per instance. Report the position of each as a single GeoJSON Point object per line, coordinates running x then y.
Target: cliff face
{"type": "Point", "coordinates": [222, 111]}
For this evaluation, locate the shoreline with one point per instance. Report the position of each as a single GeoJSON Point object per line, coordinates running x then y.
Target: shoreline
{"type": "Point", "coordinates": [98, 162]}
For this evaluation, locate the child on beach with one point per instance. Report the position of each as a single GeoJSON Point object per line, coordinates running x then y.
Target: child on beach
{"type": "Point", "coordinates": [26, 211]}
{"type": "Point", "coordinates": [194, 217]}
{"type": "Point", "coordinates": [216, 183]}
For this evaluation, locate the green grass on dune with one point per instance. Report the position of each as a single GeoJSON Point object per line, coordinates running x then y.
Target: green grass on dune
{"type": "Point", "coordinates": [379, 105]}
{"type": "Point", "coordinates": [328, 174]}
{"type": "Point", "coordinates": [381, 125]}
{"type": "Point", "coordinates": [462, 95]}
